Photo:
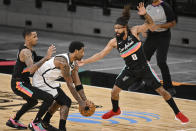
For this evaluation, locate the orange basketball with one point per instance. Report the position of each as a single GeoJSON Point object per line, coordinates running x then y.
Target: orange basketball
{"type": "Point", "coordinates": [89, 110]}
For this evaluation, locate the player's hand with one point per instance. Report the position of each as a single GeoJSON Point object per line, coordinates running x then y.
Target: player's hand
{"type": "Point", "coordinates": [51, 50]}
{"type": "Point", "coordinates": [141, 9]}
{"type": "Point", "coordinates": [82, 104]}
{"type": "Point", "coordinates": [89, 103]}
{"type": "Point", "coordinates": [81, 63]}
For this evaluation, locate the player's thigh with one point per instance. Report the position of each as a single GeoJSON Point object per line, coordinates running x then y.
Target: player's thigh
{"type": "Point", "coordinates": [125, 79]}
{"type": "Point", "coordinates": [151, 79]}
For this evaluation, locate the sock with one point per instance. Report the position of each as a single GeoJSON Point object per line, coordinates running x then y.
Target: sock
{"type": "Point", "coordinates": [115, 105]}
{"type": "Point", "coordinates": [62, 124]}
{"type": "Point", "coordinates": [47, 117]}
{"type": "Point", "coordinates": [16, 119]}
{"type": "Point", "coordinates": [173, 105]}
{"type": "Point", "coordinates": [36, 120]}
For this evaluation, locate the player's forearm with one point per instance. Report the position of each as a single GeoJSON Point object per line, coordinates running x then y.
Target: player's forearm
{"type": "Point", "coordinates": [93, 58]}
{"type": "Point", "coordinates": [74, 92]}
{"type": "Point", "coordinates": [168, 25]}
{"type": "Point", "coordinates": [82, 95]}
{"type": "Point", "coordinates": [148, 19]}
{"type": "Point", "coordinates": [36, 66]}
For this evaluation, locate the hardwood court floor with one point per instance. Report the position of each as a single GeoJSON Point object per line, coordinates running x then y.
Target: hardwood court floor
{"type": "Point", "coordinates": [141, 112]}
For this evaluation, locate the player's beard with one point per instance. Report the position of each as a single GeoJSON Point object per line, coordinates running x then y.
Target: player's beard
{"type": "Point", "coordinates": [79, 58]}
{"type": "Point", "coordinates": [120, 37]}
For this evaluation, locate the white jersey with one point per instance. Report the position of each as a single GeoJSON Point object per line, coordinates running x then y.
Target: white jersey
{"type": "Point", "coordinates": [45, 77]}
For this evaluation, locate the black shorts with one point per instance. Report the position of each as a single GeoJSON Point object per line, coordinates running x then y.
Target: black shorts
{"type": "Point", "coordinates": [27, 91]}
{"type": "Point", "coordinates": [62, 98]}
{"type": "Point", "coordinates": [127, 77]}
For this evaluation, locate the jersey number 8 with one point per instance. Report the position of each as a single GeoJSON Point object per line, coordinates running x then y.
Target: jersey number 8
{"type": "Point", "coordinates": [134, 57]}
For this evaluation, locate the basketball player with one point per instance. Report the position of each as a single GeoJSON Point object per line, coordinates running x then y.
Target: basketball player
{"type": "Point", "coordinates": [130, 48]}
{"type": "Point", "coordinates": [20, 82]}
{"type": "Point", "coordinates": [62, 65]}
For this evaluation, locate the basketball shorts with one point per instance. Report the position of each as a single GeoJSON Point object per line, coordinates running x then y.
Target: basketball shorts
{"type": "Point", "coordinates": [127, 77]}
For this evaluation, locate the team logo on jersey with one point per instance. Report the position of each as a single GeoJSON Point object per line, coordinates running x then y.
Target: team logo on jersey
{"type": "Point", "coordinates": [129, 117]}
{"type": "Point", "coordinates": [125, 78]}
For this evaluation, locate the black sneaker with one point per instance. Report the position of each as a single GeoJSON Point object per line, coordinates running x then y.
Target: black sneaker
{"type": "Point", "coordinates": [16, 124]}
{"type": "Point", "coordinates": [52, 128]}
{"type": "Point", "coordinates": [49, 127]}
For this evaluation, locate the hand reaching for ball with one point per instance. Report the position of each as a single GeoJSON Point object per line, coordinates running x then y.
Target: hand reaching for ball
{"type": "Point", "coordinates": [88, 110]}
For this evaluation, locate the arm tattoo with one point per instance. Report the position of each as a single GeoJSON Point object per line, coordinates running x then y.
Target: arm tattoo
{"type": "Point", "coordinates": [67, 76]}
{"type": "Point", "coordinates": [148, 19]}
{"type": "Point", "coordinates": [39, 63]}
{"type": "Point", "coordinates": [29, 61]}
{"type": "Point", "coordinates": [82, 95]}
{"type": "Point", "coordinates": [27, 55]}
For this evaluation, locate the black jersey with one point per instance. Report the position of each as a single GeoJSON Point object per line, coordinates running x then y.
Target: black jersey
{"type": "Point", "coordinates": [21, 72]}
{"type": "Point", "coordinates": [132, 52]}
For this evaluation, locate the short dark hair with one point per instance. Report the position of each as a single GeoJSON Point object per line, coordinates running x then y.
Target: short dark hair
{"type": "Point", "coordinates": [75, 45]}
{"type": "Point", "coordinates": [27, 31]}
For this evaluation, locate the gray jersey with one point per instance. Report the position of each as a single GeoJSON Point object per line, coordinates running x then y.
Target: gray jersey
{"type": "Point", "coordinates": [161, 14]}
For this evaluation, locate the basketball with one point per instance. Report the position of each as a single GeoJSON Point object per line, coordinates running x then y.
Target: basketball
{"type": "Point", "coordinates": [89, 110]}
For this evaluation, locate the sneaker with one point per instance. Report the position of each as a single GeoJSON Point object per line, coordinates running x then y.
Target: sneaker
{"type": "Point", "coordinates": [182, 118]}
{"type": "Point", "coordinates": [49, 127]}
{"type": "Point", "coordinates": [52, 128]}
{"type": "Point", "coordinates": [16, 124]}
{"type": "Point", "coordinates": [36, 126]}
{"type": "Point", "coordinates": [111, 114]}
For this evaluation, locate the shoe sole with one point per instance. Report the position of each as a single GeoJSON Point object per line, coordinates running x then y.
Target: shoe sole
{"type": "Point", "coordinates": [181, 121]}
{"type": "Point", "coordinates": [13, 126]}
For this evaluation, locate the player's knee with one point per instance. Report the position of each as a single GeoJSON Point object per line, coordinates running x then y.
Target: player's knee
{"type": "Point", "coordinates": [49, 99]}
{"type": "Point", "coordinates": [33, 102]}
{"type": "Point", "coordinates": [115, 91]}
{"type": "Point", "coordinates": [161, 64]}
{"type": "Point", "coordinates": [163, 92]}
{"type": "Point", "coordinates": [65, 101]}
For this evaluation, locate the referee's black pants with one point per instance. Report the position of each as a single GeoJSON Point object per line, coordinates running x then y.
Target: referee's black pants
{"type": "Point", "coordinates": [159, 42]}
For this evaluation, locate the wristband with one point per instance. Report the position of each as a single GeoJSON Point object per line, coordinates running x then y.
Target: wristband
{"type": "Point", "coordinates": [79, 87]}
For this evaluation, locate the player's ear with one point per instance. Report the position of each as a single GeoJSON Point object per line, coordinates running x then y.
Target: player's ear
{"type": "Point", "coordinates": [76, 51]}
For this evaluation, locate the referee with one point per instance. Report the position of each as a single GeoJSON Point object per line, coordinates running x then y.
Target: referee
{"type": "Point", "coordinates": [158, 38]}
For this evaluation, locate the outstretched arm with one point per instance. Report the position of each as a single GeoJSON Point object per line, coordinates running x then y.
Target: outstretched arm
{"type": "Point", "coordinates": [26, 56]}
{"type": "Point", "coordinates": [111, 44]}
